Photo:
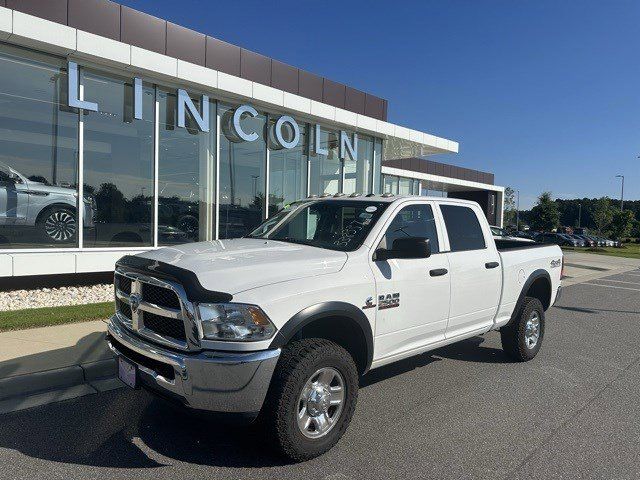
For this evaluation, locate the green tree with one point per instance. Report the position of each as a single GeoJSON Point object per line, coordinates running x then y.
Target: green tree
{"type": "Point", "coordinates": [622, 223]}
{"type": "Point", "coordinates": [545, 214]}
{"type": "Point", "coordinates": [602, 214]}
{"type": "Point", "coordinates": [509, 206]}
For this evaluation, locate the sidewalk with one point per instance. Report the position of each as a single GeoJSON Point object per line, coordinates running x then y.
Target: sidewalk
{"type": "Point", "coordinates": [582, 267]}
{"type": "Point", "coordinates": [42, 365]}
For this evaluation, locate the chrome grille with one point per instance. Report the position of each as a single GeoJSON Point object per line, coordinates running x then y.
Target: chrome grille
{"type": "Point", "coordinates": [160, 296]}
{"type": "Point", "coordinates": [154, 308]}
{"type": "Point", "coordinates": [164, 326]}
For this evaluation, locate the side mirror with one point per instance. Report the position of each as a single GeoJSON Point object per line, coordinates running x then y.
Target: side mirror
{"type": "Point", "coordinates": [410, 247]}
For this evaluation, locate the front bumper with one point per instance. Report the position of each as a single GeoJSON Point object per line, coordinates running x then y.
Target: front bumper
{"type": "Point", "coordinates": [208, 380]}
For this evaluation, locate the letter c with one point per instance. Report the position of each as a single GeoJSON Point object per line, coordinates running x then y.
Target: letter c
{"type": "Point", "coordinates": [237, 115]}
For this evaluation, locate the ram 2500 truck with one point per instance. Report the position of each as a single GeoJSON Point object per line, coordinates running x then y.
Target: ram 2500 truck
{"type": "Point", "coordinates": [279, 325]}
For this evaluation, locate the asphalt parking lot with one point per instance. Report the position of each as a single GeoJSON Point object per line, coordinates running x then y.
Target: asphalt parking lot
{"type": "Point", "coordinates": [463, 411]}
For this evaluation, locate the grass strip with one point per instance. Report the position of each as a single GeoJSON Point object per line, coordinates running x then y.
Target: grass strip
{"type": "Point", "coordinates": [48, 316]}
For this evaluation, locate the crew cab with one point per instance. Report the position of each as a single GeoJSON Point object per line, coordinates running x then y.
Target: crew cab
{"type": "Point", "coordinates": [279, 325]}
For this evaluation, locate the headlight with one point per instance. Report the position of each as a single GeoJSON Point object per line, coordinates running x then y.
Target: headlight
{"type": "Point", "coordinates": [234, 322]}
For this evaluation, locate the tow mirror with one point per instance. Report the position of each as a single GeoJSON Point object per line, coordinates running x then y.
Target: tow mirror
{"type": "Point", "coordinates": [410, 247]}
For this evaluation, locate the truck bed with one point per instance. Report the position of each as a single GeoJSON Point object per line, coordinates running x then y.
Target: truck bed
{"type": "Point", "coordinates": [503, 245]}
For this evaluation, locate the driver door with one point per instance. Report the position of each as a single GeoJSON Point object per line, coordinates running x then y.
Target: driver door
{"type": "Point", "coordinates": [412, 294]}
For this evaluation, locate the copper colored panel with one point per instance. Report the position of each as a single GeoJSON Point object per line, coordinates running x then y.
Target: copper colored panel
{"type": "Point", "coordinates": [143, 30]}
{"type": "Point", "coordinates": [354, 100]}
{"type": "Point", "coordinates": [101, 17]}
{"type": "Point", "coordinates": [374, 107]}
{"type": "Point", "coordinates": [310, 85]}
{"type": "Point", "coordinates": [255, 67]}
{"type": "Point", "coordinates": [223, 56]}
{"type": "Point", "coordinates": [54, 10]}
{"type": "Point", "coordinates": [185, 44]}
{"type": "Point", "coordinates": [284, 77]}
{"type": "Point", "coordinates": [333, 93]}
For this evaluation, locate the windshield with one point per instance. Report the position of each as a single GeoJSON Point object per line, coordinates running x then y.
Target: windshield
{"type": "Point", "coordinates": [332, 224]}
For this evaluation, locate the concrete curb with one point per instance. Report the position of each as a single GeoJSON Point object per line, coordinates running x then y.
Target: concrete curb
{"type": "Point", "coordinates": [40, 388]}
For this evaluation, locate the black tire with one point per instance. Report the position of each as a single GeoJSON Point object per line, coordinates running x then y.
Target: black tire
{"type": "Point", "coordinates": [66, 234]}
{"type": "Point", "coordinates": [297, 364]}
{"type": "Point", "coordinates": [514, 335]}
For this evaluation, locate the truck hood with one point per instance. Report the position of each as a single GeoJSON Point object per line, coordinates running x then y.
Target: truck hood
{"type": "Point", "coordinates": [241, 264]}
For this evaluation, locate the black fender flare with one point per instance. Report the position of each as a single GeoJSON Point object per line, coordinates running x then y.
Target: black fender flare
{"type": "Point", "coordinates": [325, 310]}
{"type": "Point", "coordinates": [535, 275]}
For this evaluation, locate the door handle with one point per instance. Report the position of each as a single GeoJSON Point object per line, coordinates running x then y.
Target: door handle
{"type": "Point", "coordinates": [438, 272]}
{"type": "Point", "coordinates": [491, 265]}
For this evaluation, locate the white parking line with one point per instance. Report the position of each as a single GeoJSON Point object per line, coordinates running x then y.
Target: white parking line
{"type": "Point", "coordinates": [611, 286]}
{"type": "Point", "coordinates": [618, 281]}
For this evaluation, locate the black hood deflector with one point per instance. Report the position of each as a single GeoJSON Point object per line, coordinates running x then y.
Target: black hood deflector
{"type": "Point", "coordinates": [189, 280]}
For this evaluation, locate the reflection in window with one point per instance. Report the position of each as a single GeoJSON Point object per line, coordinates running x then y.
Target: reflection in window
{"type": "Point", "coordinates": [325, 170]}
{"type": "Point", "coordinates": [118, 163]}
{"type": "Point", "coordinates": [185, 174]}
{"type": "Point", "coordinates": [357, 174]}
{"type": "Point", "coordinates": [412, 221]}
{"type": "Point", "coordinates": [38, 152]}
{"type": "Point", "coordinates": [287, 169]}
{"type": "Point", "coordinates": [242, 175]}
{"type": "Point", "coordinates": [405, 186]}
{"type": "Point", "coordinates": [390, 184]}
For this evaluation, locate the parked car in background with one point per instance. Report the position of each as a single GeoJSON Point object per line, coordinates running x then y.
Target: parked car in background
{"type": "Point", "coordinates": [560, 239]}
{"type": "Point", "coordinates": [581, 241]}
{"type": "Point", "coordinates": [501, 234]}
{"type": "Point", "coordinates": [588, 242]}
{"type": "Point", "coordinates": [598, 242]}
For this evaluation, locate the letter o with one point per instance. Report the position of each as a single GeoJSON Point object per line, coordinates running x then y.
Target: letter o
{"type": "Point", "coordinates": [237, 115]}
{"type": "Point", "coordinates": [278, 132]}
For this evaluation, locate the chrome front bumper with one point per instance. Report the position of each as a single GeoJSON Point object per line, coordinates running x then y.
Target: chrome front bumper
{"type": "Point", "coordinates": [208, 380]}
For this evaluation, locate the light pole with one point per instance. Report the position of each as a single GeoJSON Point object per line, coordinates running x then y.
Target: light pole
{"type": "Point", "coordinates": [517, 210]}
{"type": "Point", "coordinates": [622, 192]}
{"type": "Point", "coordinates": [579, 215]}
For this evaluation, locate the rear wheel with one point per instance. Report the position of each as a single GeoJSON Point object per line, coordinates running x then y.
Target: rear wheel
{"type": "Point", "coordinates": [522, 337]}
{"type": "Point", "coordinates": [311, 399]}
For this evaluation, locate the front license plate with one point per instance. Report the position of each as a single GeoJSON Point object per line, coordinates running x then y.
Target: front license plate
{"type": "Point", "coordinates": [127, 372]}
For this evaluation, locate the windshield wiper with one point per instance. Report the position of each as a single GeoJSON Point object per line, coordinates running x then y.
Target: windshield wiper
{"type": "Point", "coordinates": [293, 240]}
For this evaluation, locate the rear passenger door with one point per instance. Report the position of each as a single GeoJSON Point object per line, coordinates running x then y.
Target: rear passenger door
{"type": "Point", "coordinates": [474, 265]}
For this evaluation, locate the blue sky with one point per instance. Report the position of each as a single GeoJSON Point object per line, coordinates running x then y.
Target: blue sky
{"type": "Point", "coordinates": [543, 93]}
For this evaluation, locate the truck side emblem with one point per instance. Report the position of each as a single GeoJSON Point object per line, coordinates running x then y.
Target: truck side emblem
{"type": "Point", "coordinates": [390, 300]}
{"type": "Point", "coordinates": [134, 302]}
{"type": "Point", "coordinates": [556, 263]}
{"type": "Point", "coordinates": [369, 303]}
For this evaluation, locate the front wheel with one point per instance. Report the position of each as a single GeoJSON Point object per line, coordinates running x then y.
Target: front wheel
{"type": "Point", "coordinates": [57, 225]}
{"type": "Point", "coordinates": [522, 337]}
{"type": "Point", "coordinates": [311, 399]}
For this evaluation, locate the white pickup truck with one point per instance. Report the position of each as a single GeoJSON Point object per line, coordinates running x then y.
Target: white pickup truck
{"type": "Point", "coordinates": [281, 324]}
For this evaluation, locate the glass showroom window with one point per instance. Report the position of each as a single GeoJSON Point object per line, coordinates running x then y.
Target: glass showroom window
{"type": "Point", "coordinates": [38, 152]}
{"type": "Point", "coordinates": [186, 166]}
{"type": "Point", "coordinates": [390, 184]}
{"type": "Point", "coordinates": [242, 174]}
{"type": "Point", "coordinates": [376, 173]}
{"type": "Point", "coordinates": [287, 167]}
{"type": "Point", "coordinates": [357, 174]}
{"type": "Point", "coordinates": [404, 186]}
{"type": "Point", "coordinates": [326, 170]}
{"type": "Point", "coordinates": [118, 163]}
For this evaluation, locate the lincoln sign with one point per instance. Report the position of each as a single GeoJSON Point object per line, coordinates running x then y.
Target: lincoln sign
{"type": "Point", "coordinates": [285, 132]}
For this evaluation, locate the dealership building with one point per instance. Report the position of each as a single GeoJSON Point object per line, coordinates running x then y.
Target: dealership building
{"type": "Point", "coordinates": [161, 135]}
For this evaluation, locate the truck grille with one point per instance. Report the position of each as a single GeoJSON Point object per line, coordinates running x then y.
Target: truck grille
{"type": "Point", "coordinates": [167, 327]}
{"type": "Point", "coordinates": [160, 296]}
{"type": "Point", "coordinates": [151, 307]}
